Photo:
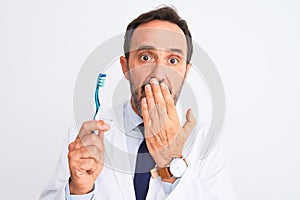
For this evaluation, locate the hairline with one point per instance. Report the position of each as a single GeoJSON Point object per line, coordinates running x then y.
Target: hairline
{"type": "Point", "coordinates": [133, 30]}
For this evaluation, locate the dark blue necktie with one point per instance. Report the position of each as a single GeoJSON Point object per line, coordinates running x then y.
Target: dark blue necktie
{"type": "Point", "coordinates": [144, 163]}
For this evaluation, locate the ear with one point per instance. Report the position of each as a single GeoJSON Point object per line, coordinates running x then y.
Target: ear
{"type": "Point", "coordinates": [123, 62]}
{"type": "Point", "coordinates": [188, 66]}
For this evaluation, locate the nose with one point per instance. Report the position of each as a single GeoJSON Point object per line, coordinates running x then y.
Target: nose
{"type": "Point", "coordinates": [159, 70]}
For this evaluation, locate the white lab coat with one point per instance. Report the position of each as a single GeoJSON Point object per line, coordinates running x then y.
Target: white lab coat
{"type": "Point", "coordinates": [204, 179]}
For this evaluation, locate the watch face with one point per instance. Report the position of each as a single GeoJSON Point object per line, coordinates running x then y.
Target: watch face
{"type": "Point", "coordinates": [177, 167]}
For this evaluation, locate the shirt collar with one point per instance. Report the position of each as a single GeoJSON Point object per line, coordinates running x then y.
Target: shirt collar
{"type": "Point", "coordinates": [131, 119]}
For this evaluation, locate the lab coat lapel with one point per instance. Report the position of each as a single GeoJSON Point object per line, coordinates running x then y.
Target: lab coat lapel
{"type": "Point", "coordinates": [117, 155]}
{"type": "Point", "coordinates": [155, 190]}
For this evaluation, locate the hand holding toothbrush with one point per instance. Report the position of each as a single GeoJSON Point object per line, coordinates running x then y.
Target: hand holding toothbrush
{"type": "Point", "coordinates": [86, 153]}
{"type": "Point", "coordinates": [86, 156]}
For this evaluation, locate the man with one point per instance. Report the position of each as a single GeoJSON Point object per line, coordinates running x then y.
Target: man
{"type": "Point", "coordinates": [158, 50]}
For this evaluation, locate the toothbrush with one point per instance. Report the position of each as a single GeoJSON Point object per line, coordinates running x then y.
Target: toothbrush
{"type": "Point", "coordinates": [100, 83]}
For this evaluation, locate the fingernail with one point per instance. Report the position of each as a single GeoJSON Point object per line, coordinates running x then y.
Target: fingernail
{"type": "Point", "coordinates": [154, 81]}
{"type": "Point", "coordinates": [148, 87]}
{"type": "Point", "coordinates": [105, 126]}
{"type": "Point", "coordinates": [163, 85]}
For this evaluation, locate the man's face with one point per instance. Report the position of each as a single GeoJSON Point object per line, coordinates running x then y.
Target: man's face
{"type": "Point", "coordinates": [158, 50]}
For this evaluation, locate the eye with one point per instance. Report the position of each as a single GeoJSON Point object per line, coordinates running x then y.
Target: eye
{"type": "Point", "coordinates": [145, 58]}
{"type": "Point", "coordinates": [173, 61]}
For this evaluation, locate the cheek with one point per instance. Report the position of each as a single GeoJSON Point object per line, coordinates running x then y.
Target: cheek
{"type": "Point", "coordinates": [176, 85]}
{"type": "Point", "coordinates": [182, 69]}
{"type": "Point", "coordinates": [137, 77]}
{"type": "Point", "coordinates": [176, 78]}
{"type": "Point", "coordinates": [139, 73]}
{"type": "Point", "coordinates": [178, 72]}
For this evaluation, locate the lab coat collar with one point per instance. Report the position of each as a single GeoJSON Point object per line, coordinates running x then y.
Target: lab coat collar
{"type": "Point", "coordinates": [132, 119]}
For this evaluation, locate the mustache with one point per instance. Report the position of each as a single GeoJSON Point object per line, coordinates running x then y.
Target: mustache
{"type": "Point", "coordinates": [148, 82]}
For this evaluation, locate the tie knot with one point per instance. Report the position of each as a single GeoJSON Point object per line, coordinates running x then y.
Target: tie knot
{"type": "Point", "coordinates": [141, 128]}
{"type": "Point", "coordinates": [141, 124]}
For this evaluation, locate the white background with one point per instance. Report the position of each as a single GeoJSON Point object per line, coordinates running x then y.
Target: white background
{"type": "Point", "coordinates": [255, 46]}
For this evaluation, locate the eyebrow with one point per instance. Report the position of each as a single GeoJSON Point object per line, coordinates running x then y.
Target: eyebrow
{"type": "Point", "coordinates": [145, 47]}
{"type": "Point", "coordinates": [149, 47]}
{"type": "Point", "coordinates": [177, 51]}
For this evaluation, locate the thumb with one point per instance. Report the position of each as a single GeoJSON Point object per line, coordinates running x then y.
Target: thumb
{"type": "Point", "coordinates": [190, 122]}
{"type": "Point", "coordinates": [102, 128]}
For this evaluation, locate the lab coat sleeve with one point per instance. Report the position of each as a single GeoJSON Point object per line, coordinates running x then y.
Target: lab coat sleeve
{"type": "Point", "coordinates": [168, 187]}
{"type": "Point", "coordinates": [205, 179]}
{"type": "Point", "coordinates": [88, 196]}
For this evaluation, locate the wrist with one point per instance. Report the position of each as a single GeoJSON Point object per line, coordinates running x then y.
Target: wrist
{"type": "Point", "coordinates": [165, 161]}
{"type": "Point", "coordinates": [170, 173]}
{"type": "Point", "coordinates": [79, 189]}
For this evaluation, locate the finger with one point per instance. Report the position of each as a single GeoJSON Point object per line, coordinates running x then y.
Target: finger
{"type": "Point", "coordinates": [103, 128]}
{"type": "Point", "coordinates": [158, 97]}
{"type": "Point", "coordinates": [149, 97]}
{"type": "Point", "coordinates": [152, 108]}
{"type": "Point", "coordinates": [95, 168]}
{"type": "Point", "coordinates": [89, 126]}
{"type": "Point", "coordinates": [87, 164]}
{"type": "Point", "coordinates": [170, 105]}
{"type": "Point", "coordinates": [96, 151]}
{"type": "Point", "coordinates": [71, 146]}
{"type": "Point", "coordinates": [90, 152]}
{"type": "Point", "coordinates": [145, 113]}
{"type": "Point", "coordinates": [90, 139]}
{"type": "Point", "coordinates": [190, 123]}
{"type": "Point", "coordinates": [153, 115]}
{"type": "Point", "coordinates": [78, 143]}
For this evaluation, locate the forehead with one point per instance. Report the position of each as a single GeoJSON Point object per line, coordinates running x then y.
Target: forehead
{"type": "Point", "coordinates": [160, 35]}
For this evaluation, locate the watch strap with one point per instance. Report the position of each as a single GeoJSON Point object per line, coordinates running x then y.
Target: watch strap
{"type": "Point", "coordinates": [164, 172]}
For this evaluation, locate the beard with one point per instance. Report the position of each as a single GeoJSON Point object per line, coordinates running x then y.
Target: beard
{"type": "Point", "coordinates": [138, 92]}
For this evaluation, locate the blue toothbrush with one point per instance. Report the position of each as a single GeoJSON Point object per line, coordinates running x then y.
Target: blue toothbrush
{"type": "Point", "coordinates": [100, 83]}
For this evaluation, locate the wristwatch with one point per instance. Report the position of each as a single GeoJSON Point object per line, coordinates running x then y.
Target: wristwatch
{"type": "Point", "coordinates": [170, 173]}
{"type": "Point", "coordinates": [178, 167]}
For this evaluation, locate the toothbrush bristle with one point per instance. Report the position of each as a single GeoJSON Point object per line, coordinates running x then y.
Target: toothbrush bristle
{"type": "Point", "coordinates": [101, 79]}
